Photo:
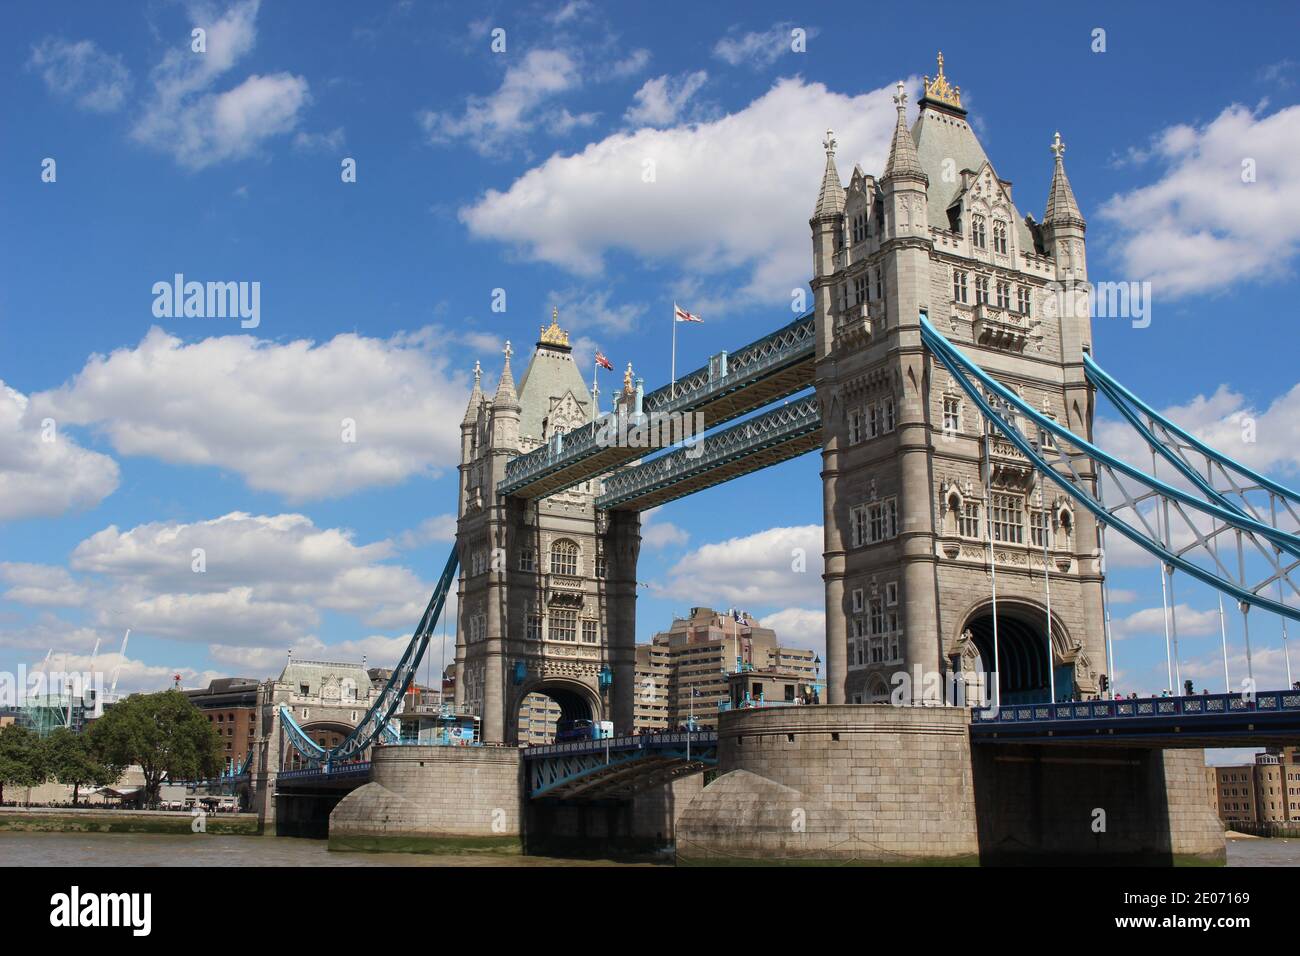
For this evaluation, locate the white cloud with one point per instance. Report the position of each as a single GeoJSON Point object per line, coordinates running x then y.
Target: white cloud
{"type": "Point", "coordinates": [40, 585]}
{"type": "Point", "coordinates": [39, 478]}
{"type": "Point", "coordinates": [81, 72]}
{"type": "Point", "coordinates": [319, 142]}
{"type": "Point", "coordinates": [272, 412]}
{"type": "Point", "coordinates": [200, 127]}
{"type": "Point", "coordinates": [490, 122]}
{"type": "Point", "coordinates": [1200, 227]}
{"type": "Point", "coordinates": [436, 528]}
{"type": "Point", "coordinates": [661, 100]}
{"type": "Point", "coordinates": [240, 580]}
{"type": "Point", "coordinates": [756, 571]}
{"type": "Point", "coordinates": [799, 627]}
{"type": "Point", "coordinates": [732, 193]}
{"type": "Point", "coordinates": [658, 534]}
{"type": "Point", "coordinates": [1189, 621]}
{"type": "Point", "coordinates": [592, 310]}
{"type": "Point", "coordinates": [758, 49]}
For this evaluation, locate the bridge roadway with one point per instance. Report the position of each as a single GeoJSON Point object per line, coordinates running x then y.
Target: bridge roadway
{"type": "Point", "coordinates": [774, 367]}
{"type": "Point", "coordinates": [1271, 719]}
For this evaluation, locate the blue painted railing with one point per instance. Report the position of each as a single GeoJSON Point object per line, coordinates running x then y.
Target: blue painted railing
{"type": "Point", "coordinates": [669, 741]}
{"type": "Point", "coordinates": [1203, 705]}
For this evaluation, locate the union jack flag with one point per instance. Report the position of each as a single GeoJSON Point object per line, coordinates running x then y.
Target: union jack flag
{"type": "Point", "coordinates": [602, 361]}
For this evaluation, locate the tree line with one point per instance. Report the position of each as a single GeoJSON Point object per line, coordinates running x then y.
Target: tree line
{"type": "Point", "coordinates": [164, 734]}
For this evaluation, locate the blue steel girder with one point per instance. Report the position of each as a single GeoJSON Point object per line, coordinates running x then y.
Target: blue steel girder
{"type": "Point", "coordinates": [770, 438]}
{"type": "Point", "coordinates": [776, 366]}
{"type": "Point", "coordinates": [1070, 461]}
{"type": "Point", "coordinates": [623, 774]}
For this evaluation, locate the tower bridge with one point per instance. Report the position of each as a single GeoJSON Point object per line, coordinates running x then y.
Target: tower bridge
{"type": "Point", "coordinates": [966, 509]}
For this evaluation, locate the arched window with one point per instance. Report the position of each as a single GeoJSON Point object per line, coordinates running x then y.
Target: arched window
{"type": "Point", "coordinates": [977, 231]}
{"type": "Point", "coordinates": [999, 236]}
{"type": "Point", "coordinates": [564, 557]}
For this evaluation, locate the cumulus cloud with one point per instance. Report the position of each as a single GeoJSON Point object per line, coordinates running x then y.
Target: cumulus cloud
{"type": "Point", "coordinates": [240, 580]}
{"type": "Point", "coordinates": [198, 126]}
{"type": "Point", "coordinates": [594, 311]}
{"type": "Point", "coordinates": [1225, 209]}
{"type": "Point", "coordinates": [758, 49]}
{"type": "Point", "coordinates": [40, 585]}
{"type": "Point", "coordinates": [731, 193]}
{"type": "Point", "coordinates": [1190, 622]}
{"type": "Point", "coordinates": [661, 101]}
{"type": "Point", "coordinates": [81, 72]}
{"type": "Point", "coordinates": [779, 566]}
{"type": "Point", "coordinates": [273, 412]}
{"type": "Point", "coordinates": [799, 627]}
{"type": "Point", "coordinates": [41, 478]}
{"type": "Point", "coordinates": [519, 105]}
{"type": "Point", "coordinates": [658, 534]}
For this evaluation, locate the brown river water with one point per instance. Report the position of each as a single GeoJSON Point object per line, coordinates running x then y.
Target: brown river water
{"type": "Point", "coordinates": [114, 849]}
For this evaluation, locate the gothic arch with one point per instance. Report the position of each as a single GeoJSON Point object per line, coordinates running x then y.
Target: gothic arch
{"type": "Point", "coordinates": [577, 700]}
{"type": "Point", "coordinates": [1022, 649]}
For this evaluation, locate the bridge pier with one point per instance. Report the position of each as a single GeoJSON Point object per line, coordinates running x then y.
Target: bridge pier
{"type": "Point", "coordinates": [432, 798]}
{"type": "Point", "coordinates": [877, 784]}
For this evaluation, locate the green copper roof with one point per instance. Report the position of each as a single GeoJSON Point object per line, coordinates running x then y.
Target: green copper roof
{"type": "Point", "coordinates": [551, 374]}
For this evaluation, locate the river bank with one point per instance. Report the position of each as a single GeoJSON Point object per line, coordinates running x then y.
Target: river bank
{"type": "Point", "coordinates": [96, 820]}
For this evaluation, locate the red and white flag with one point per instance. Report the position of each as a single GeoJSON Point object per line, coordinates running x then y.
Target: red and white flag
{"type": "Point", "coordinates": [681, 315]}
{"type": "Point", "coordinates": [602, 361]}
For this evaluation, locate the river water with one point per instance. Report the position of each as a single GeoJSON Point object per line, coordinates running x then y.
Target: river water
{"type": "Point", "coordinates": [146, 849]}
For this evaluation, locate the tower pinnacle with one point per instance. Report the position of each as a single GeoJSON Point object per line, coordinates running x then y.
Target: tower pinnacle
{"type": "Point", "coordinates": [903, 160]}
{"type": "Point", "coordinates": [1062, 209]}
{"type": "Point", "coordinates": [830, 201]}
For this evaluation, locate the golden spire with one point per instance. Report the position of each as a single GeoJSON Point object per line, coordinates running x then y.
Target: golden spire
{"type": "Point", "coordinates": [553, 334]}
{"type": "Point", "coordinates": [940, 90]}
{"type": "Point", "coordinates": [627, 380]}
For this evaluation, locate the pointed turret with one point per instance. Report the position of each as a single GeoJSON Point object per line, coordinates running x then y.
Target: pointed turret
{"type": "Point", "coordinates": [1062, 210]}
{"type": "Point", "coordinates": [506, 396]}
{"type": "Point", "coordinates": [903, 160]}
{"type": "Point", "coordinates": [830, 201]}
{"type": "Point", "coordinates": [475, 398]}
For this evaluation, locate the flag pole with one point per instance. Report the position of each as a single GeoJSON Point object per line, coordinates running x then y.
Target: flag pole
{"type": "Point", "coordinates": [673, 389]}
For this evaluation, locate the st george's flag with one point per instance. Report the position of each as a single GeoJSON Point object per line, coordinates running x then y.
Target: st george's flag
{"type": "Point", "coordinates": [681, 315]}
{"type": "Point", "coordinates": [602, 361]}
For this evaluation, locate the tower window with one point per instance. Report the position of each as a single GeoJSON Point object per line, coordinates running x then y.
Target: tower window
{"type": "Point", "coordinates": [887, 415]}
{"type": "Point", "coordinates": [589, 632]}
{"type": "Point", "coordinates": [1004, 295]}
{"type": "Point", "coordinates": [952, 415]}
{"type": "Point", "coordinates": [1022, 300]}
{"type": "Point", "coordinates": [859, 227]}
{"type": "Point", "coordinates": [959, 285]}
{"type": "Point", "coordinates": [970, 519]}
{"type": "Point", "coordinates": [977, 232]}
{"type": "Point", "coordinates": [527, 560]}
{"type": "Point", "coordinates": [982, 290]}
{"type": "Point", "coordinates": [564, 557]}
{"type": "Point", "coordinates": [564, 626]}
{"type": "Point", "coordinates": [860, 289]}
{"type": "Point", "coordinates": [534, 627]}
{"type": "Point", "coordinates": [855, 426]}
{"type": "Point", "coordinates": [1008, 519]}
{"type": "Point", "coordinates": [1000, 237]}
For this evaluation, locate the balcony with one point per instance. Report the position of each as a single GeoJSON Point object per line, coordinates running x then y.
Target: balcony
{"type": "Point", "coordinates": [854, 325]}
{"type": "Point", "coordinates": [1002, 328]}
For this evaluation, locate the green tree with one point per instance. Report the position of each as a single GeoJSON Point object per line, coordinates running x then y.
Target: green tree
{"type": "Point", "coordinates": [164, 733]}
{"type": "Point", "coordinates": [74, 760]}
{"type": "Point", "coordinates": [22, 758]}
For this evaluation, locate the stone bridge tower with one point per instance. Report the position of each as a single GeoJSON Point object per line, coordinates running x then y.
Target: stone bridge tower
{"type": "Point", "coordinates": [907, 519]}
{"type": "Point", "coordinates": [547, 590]}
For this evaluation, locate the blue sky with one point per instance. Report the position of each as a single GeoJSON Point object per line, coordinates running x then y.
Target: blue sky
{"type": "Point", "coordinates": [521, 170]}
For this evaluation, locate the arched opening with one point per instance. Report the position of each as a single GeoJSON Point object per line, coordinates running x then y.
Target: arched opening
{"type": "Point", "coordinates": [550, 711]}
{"type": "Point", "coordinates": [1022, 653]}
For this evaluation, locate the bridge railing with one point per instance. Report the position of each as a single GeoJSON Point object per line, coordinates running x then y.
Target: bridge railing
{"type": "Point", "coordinates": [1204, 705]}
{"type": "Point", "coordinates": [630, 742]}
{"type": "Point", "coordinates": [337, 770]}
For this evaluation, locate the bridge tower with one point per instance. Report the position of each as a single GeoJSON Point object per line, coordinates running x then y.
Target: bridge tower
{"type": "Point", "coordinates": [908, 520]}
{"type": "Point", "coordinates": [547, 590]}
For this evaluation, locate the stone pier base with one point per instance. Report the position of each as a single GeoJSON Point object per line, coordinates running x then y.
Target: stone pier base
{"type": "Point", "coordinates": [883, 785]}
{"type": "Point", "coordinates": [434, 799]}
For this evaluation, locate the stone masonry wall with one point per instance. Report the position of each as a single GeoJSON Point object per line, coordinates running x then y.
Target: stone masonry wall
{"type": "Point", "coordinates": [435, 792]}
